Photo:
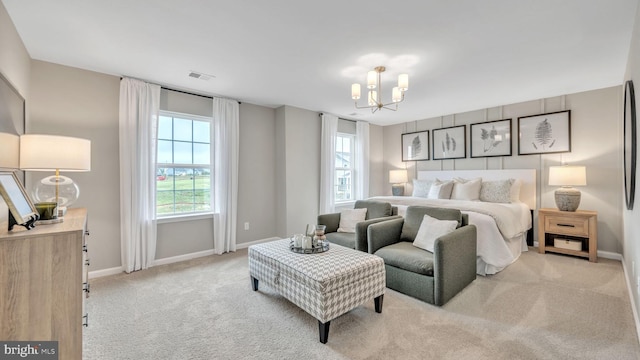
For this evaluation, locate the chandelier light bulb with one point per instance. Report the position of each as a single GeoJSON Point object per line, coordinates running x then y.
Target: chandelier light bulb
{"type": "Point", "coordinates": [403, 82]}
{"type": "Point", "coordinates": [396, 94]}
{"type": "Point", "coordinates": [355, 91]}
{"type": "Point", "coordinates": [372, 79]}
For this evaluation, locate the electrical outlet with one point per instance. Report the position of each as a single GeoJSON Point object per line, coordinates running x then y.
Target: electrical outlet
{"type": "Point", "coordinates": [246, 225]}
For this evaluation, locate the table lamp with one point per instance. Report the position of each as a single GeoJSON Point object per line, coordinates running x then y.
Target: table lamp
{"type": "Point", "coordinates": [567, 197]}
{"type": "Point", "coordinates": [9, 152]}
{"type": "Point", "coordinates": [55, 153]}
{"type": "Point", "coordinates": [397, 178]}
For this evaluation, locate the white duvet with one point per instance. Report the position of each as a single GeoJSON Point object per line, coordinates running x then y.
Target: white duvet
{"type": "Point", "coordinates": [501, 227]}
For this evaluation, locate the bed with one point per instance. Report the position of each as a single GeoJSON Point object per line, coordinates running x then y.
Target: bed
{"type": "Point", "coordinates": [502, 227]}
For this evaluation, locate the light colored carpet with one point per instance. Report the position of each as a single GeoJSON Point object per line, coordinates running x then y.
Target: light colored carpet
{"type": "Point", "coordinates": [541, 307]}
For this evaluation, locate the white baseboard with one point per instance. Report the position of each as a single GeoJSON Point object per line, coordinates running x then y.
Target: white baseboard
{"type": "Point", "coordinates": [174, 259]}
{"type": "Point", "coordinates": [105, 272]}
{"type": "Point", "coordinates": [631, 288]}
{"type": "Point", "coordinates": [246, 245]}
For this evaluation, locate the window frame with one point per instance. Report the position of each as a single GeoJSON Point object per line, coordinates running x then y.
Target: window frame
{"type": "Point", "coordinates": [352, 168]}
{"type": "Point", "coordinates": [192, 215]}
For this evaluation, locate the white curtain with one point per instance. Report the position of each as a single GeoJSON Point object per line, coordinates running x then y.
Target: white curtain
{"type": "Point", "coordinates": [225, 151]}
{"type": "Point", "coordinates": [327, 163]}
{"type": "Point", "coordinates": [139, 106]}
{"type": "Point", "coordinates": [362, 160]}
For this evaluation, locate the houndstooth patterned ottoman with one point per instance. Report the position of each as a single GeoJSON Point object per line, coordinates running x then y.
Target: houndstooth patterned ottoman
{"type": "Point", "coordinates": [326, 285]}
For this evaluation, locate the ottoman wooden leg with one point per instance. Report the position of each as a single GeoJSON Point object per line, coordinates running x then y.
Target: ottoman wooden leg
{"type": "Point", "coordinates": [254, 284]}
{"type": "Point", "coordinates": [378, 302]}
{"type": "Point", "coordinates": [324, 331]}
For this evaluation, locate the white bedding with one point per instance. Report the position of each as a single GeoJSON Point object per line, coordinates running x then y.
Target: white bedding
{"type": "Point", "coordinates": [501, 227]}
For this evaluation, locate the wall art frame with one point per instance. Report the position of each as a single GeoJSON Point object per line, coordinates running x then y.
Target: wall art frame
{"type": "Point", "coordinates": [450, 143]}
{"type": "Point", "coordinates": [415, 146]}
{"type": "Point", "coordinates": [491, 138]}
{"type": "Point", "coordinates": [630, 144]}
{"type": "Point", "coordinates": [545, 133]}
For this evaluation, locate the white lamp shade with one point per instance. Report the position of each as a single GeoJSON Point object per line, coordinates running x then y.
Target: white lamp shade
{"type": "Point", "coordinates": [403, 82]}
{"type": "Point", "coordinates": [51, 152]}
{"type": "Point", "coordinates": [567, 175]}
{"type": "Point", "coordinates": [397, 176]}
{"type": "Point", "coordinates": [396, 94]}
{"type": "Point", "coordinates": [372, 79]}
{"type": "Point", "coordinates": [355, 91]}
{"type": "Point", "coordinates": [9, 151]}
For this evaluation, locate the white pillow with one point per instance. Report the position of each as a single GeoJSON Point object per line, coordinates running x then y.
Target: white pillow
{"type": "Point", "coordinates": [516, 184]}
{"type": "Point", "coordinates": [498, 191]}
{"type": "Point", "coordinates": [431, 229]}
{"type": "Point", "coordinates": [466, 189]}
{"type": "Point", "coordinates": [421, 187]}
{"type": "Point", "coordinates": [349, 218]}
{"type": "Point", "coordinates": [440, 190]}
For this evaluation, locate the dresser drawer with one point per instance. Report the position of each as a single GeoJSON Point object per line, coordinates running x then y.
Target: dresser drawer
{"type": "Point", "coordinates": [574, 226]}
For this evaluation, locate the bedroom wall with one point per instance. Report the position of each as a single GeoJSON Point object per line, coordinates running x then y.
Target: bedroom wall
{"type": "Point", "coordinates": [75, 102]}
{"type": "Point", "coordinates": [631, 218]}
{"type": "Point", "coordinates": [15, 66]}
{"type": "Point", "coordinates": [596, 136]}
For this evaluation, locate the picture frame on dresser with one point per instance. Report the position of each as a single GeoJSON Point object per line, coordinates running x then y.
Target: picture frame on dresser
{"type": "Point", "coordinates": [491, 138]}
{"type": "Point", "coordinates": [450, 143]}
{"type": "Point", "coordinates": [21, 209]}
{"type": "Point", "coordinates": [415, 146]}
{"type": "Point", "coordinates": [545, 133]}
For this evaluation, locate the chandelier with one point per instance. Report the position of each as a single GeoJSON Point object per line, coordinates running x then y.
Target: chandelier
{"type": "Point", "coordinates": [374, 101]}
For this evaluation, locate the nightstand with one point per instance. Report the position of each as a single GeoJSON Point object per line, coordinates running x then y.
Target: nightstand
{"type": "Point", "coordinates": [570, 233]}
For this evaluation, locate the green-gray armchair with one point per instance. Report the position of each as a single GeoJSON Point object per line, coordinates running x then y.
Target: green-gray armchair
{"type": "Point", "coordinates": [432, 277]}
{"type": "Point", "coordinates": [376, 211]}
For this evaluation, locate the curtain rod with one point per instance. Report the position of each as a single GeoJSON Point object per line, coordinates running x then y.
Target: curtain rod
{"type": "Point", "coordinates": [320, 114]}
{"type": "Point", "coordinates": [189, 93]}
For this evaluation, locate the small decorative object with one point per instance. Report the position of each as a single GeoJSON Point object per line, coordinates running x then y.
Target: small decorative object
{"type": "Point", "coordinates": [397, 178]}
{"type": "Point", "coordinates": [545, 134]}
{"type": "Point", "coordinates": [567, 198]}
{"type": "Point", "coordinates": [450, 143]}
{"type": "Point", "coordinates": [492, 138]}
{"type": "Point", "coordinates": [320, 237]}
{"type": "Point", "coordinates": [297, 240]}
{"type": "Point", "coordinates": [630, 144]}
{"type": "Point", "coordinates": [313, 242]}
{"type": "Point", "coordinates": [415, 146]}
{"type": "Point", "coordinates": [47, 210]}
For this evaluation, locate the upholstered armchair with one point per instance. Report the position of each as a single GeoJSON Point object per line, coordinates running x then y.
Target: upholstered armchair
{"type": "Point", "coordinates": [434, 277]}
{"type": "Point", "coordinates": [376, 211]}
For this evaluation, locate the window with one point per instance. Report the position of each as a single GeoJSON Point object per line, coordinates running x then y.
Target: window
{"type": "Point", "coordinates": [344, 168]}
{"type": "Point", "coordinates": [183, 181]}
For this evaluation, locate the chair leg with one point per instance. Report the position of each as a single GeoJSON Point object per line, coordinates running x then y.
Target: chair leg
{"type": "Point", "coordinates": [254, 284]}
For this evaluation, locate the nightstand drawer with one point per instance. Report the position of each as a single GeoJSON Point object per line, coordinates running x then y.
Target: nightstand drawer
{"type": "Point", "coordinates": [567, 225]}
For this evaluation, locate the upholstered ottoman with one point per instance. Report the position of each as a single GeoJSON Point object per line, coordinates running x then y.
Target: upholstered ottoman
{"type": "Point", "coordinates": [326, 285]}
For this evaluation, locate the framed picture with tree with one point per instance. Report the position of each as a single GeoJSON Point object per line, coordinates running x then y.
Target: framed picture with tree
{"type": "Point", "coordinates": [415, 146]}
{"type": "Point", "coordinates": [545, 133]}
{"type": "Point", "coordinates": [450, 143]}
{"type": "Point", "coordinates": [491, 138]}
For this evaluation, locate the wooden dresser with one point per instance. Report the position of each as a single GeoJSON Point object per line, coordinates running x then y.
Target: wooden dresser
{"type": "Point", "coordinates": [43, 283]}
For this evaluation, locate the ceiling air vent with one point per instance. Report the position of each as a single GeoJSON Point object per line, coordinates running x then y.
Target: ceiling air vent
{"type": "Point", "coordinates": [201, 76]}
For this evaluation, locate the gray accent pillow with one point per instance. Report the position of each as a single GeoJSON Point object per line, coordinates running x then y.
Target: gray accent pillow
{"type": "Point", "coordinates": [498, 191]}
{"type": "Point", "coordinates": [421, 188]}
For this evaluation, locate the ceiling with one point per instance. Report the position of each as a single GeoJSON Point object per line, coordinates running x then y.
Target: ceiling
{"type": "Point", "coordinates": [460, 55]}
